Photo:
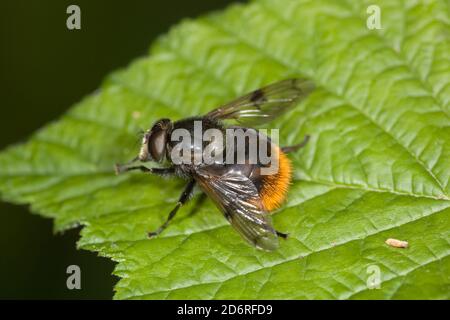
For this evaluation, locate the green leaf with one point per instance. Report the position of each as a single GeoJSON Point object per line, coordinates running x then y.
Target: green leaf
{"type": "Point", "coordinates": [376, 167]}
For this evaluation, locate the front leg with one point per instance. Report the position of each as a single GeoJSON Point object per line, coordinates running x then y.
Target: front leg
{"type": "Point", "coordinates": [187, 193]}
{"type": "Point", "coordinates": [158, 171]}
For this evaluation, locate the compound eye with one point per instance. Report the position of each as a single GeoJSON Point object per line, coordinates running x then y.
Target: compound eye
{"type": "Point", "coordinates": [157, 145]}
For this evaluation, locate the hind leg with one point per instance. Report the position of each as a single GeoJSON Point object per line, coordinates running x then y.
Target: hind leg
{"type": "Point", "coordinates": [281, 234]}
{"type": "Point", "coordinates": [295, 147]}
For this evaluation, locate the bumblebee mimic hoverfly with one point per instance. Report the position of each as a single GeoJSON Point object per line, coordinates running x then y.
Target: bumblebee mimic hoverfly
{"type": "Point", "coordinates": [244, 193]}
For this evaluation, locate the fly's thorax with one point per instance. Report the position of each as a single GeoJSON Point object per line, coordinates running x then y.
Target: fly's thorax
{"type": "Point", "coordinates": [200, 141]}
{"type": "Point", "coordinates": [192, 138]}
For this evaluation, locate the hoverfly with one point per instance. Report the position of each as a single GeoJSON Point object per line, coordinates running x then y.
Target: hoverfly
{"type": "Point", "coordinates": [244, 195]}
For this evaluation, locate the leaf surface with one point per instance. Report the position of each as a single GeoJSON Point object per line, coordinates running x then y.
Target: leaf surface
{"type": "Point", "coordinates": [376, 167]}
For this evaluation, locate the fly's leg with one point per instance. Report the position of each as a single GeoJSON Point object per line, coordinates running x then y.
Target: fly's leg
{"type": "Point", "coordinates": [187, 192]}
{"type": "Point", "coordinates": [290, 149]}
{"type": "Point", "coordinates": [198, 204]}
{"type": "Point", "coordinates": [119, 168]}
{"type": "Point", "coordinates": [159, 171]}
{"type": "Point", "coordinates": [281, 234]}
{"type": "Point", "coordinates": [295, 147]}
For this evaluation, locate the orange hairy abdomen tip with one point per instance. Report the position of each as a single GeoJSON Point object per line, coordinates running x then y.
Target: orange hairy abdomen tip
{"type": "Point", "coordinates": [274, 187]}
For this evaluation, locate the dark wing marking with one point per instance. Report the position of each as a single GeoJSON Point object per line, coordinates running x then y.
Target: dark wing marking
{"type": "Point", "coordinates": [265, 104]}
{"type": "Point", "coordinates": [238, 199]}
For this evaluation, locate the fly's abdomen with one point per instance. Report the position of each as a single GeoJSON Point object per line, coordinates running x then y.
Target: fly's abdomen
{"type": "Point", "coordinates": [273, 184]}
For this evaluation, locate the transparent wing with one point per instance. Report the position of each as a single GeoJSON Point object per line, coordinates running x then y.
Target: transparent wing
{"type": "Point", "coordinates": [238, 199]}
{"type": "Point", "coordinates": [265, 104]}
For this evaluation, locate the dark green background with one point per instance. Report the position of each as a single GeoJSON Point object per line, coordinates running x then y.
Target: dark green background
{"type": "Point", "coordinates": [44, 69]}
